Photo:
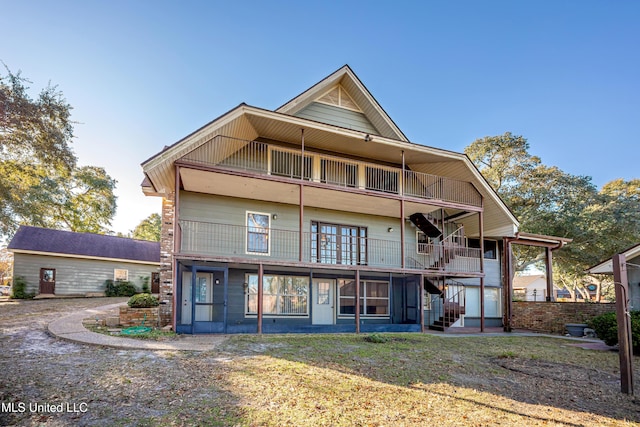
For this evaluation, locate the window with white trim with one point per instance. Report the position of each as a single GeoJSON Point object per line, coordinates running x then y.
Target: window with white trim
{"type": "Point", "coordinates": [258, 229]}
{"type": "Point", "coordinates": [281, 295]}
{"type": "Point", "coordinates": [374, 298]}
{"type": "Point", "coordinates": [120, 275]}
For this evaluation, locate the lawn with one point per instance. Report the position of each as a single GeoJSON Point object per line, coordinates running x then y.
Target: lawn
{"type": "Point", "coordinates": [410, 379]}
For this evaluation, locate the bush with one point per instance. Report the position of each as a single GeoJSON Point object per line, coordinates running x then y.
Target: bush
{"type": "Point", "coordinates": [376, 338]}
{"type": "Point", "coordinates": [606, 327]}
{"type": "Point", "coordinates": [143, 301]}
{"type": "Point", "coordinates": [145, 285]}
{"type": "Point", "coordinates": [19, 289]}
{"type": "Point", "coordinates": [119, 289]}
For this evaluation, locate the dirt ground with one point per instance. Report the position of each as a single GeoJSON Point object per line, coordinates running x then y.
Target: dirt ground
{"type": "Point", "coordinates": [59, 383]}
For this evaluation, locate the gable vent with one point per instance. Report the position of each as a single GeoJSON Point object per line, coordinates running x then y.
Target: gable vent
{"type": "Point", "coordinates": [339, 97]}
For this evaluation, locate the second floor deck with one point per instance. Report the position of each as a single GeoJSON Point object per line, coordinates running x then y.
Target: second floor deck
{"type": "Point", "coordinates": [235, 243]}
{"type": "Point", "coordinates": [260, 158]}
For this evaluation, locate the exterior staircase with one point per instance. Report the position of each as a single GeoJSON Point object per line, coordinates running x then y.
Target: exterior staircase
{"type": "Point", "coordinates": [447, 302]}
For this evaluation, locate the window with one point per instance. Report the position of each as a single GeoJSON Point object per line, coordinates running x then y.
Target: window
{"type": "Point", "coordinates": [338, 244]}
{"type": "Point", "coordinates": [381, 179]}
{"type": "Point", "coordinates": [258, 225]}
{"type": "Point", "coordinates": [490, 247]}
{"type": "Point", "coordinates": [374, 297]}
{"type": "Point", "coordinates": [120, 275]}
{"type": "Point", "coordinates": [425, 243]}
{"type": "Point", "coordinates": [338, 172]}
{"type": "Point", "coordinates": [281, 295]}
{"type": "Point", "coordinates": [285, 163]}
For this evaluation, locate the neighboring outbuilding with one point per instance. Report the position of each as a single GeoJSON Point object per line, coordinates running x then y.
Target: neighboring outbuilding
{"type": "Point", "coordinates": [532, 288]}
{"type": "Point", "coordinates": [632, 256]}
{"type": "Point", "coordinates": [65, 263]}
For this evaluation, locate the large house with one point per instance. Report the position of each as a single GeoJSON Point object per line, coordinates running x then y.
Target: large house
{"type": "Point", "coordinates": [322, 216]}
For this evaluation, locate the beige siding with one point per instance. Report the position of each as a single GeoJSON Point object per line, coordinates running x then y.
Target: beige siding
{"type": "Point", "coordinates": [75, 276]}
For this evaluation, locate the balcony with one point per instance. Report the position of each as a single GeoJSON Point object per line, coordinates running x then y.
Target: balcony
{"type": "Point", "coordinates": [234, 244]}
{"type": "Point", "coordinates": [226, 153]}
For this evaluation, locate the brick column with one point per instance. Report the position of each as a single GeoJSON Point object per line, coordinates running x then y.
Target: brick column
{"type": "Point", "coordinates": [166, 261]}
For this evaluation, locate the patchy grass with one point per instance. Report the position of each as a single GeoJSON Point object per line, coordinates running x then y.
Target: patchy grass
{"type": "Point", "coordinates": [310, 380]}
{"type": "Point", "coordinates": [412, 379]}
{"type": "Point", "coordinates": [152, 335]}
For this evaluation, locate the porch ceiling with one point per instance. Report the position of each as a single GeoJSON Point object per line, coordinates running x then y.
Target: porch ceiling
{"type": "Point", "coordinates": [222, 184]}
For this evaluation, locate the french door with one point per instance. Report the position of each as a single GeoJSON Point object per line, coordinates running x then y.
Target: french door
{"type": "Point", "coordinates": [338, 244]}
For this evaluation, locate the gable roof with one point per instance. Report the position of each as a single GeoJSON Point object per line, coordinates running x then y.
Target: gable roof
{"type": "Point", "coordinates": [45, 240]}
{"type": "Point", "coordinates": [345, 78]}
{"type": "Point", "coordinates": [606, 267]}
{"type": "Point", "coordinates": [248, 123]}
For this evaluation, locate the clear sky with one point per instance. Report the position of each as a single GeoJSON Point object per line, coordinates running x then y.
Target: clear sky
{"type": "Point", "coordinates": [143, 74]}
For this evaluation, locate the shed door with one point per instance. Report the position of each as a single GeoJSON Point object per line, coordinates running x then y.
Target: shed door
{"type": "Point", "coordinates": [47, 280]}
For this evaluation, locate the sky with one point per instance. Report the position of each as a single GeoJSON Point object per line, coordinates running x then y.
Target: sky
{"type": "Point", "coordinates": [143, 74]}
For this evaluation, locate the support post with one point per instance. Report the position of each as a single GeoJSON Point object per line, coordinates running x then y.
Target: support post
{"type": "Point", "coordinates": [481, 228]}
{"type": "Point", "coordinates": [402, 243]}
{"type": "Point", "coordinates": [421, 303]}
{"type": "Point", "coordinates": [260, 295]}
{"type": "Point", "coordinates": [625, 350]}
{"type": "Point", "coordinates": [508, 284]}
{"type": "Point", "coordinates": [549, 268]}
{"type": "Point", "coordinates": [301, 215]}
{"type": "Point", "coordinates": [357, 314]}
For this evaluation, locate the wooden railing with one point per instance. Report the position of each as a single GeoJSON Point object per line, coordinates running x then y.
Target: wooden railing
{"type": "Point", "coordinates": [269, 159]}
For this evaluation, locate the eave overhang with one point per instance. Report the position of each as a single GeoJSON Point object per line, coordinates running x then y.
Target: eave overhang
{"type": "Point", "coordinates": [249, 123]}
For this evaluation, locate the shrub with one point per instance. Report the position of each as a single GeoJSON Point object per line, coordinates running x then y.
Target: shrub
{"type": "Point", "coordinates": [376, 338]}
{"type": "Point", "coordinates": [119, 289]}
{"type": "Point", "coordinates": [606, 327]}
{"type": "Point", "coordinates": [143, 301]}
{"type": "Point", "coordinates": [145, 285]}
{"type": "Point", "coordinates": [19, 289]}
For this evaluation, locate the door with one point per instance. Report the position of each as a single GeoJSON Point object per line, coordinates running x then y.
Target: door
{"type": "Point", "coordinates": [203, 302]}
{"type": "Point", "coordinates": [155, 283]}
{"type": "Point", "coordinates": [47, 280]}
{"type": "Point", "coordinates": [323, 307]}
{"type": "Point", "coordinates": [185, 318]}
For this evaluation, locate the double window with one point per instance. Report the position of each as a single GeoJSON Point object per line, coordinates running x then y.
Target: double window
{"type": "Point", "coordinates": [374, 297]}
{"type": "Point", "coordinates": [282, 295]}
{"type": "Point", "coordinates": [338, 244]}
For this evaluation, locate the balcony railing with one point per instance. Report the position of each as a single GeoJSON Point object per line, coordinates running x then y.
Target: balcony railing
{"type": "Point", "coordinates": [259, 157]}
{"type": "Point", "coordinates": [230, 241]}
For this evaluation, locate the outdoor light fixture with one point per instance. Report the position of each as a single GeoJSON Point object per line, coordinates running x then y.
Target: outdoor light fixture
{"type": "Point", "coordinates": [274, 216]}
{"type": "Point", "coordinates": [217, 282]}
{"type": "Point", "coordinates": [390, 229]}
{"type": "Point", "coordinates": [367, 138]}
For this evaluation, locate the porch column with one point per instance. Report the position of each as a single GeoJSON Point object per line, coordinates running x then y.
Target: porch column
{"type": "Point", "coordinates": [301, 224]}
{"type": "Point", "coordinates": [357, 314]}
{"type": "Point", "coordinates": [481, 228]}
{"type": "Point", "coordinates": [301, 215]}
{"type": "Point", "coordinates": [402, 248]}
{"type": "Point", "coordinates": [508, 284]}
{"type": "Point", "coordinates": [421, 304]}
{"type": "Point", "coordinates": [549, 268]}
{"type": "Point", "coordinates": [260, 295]}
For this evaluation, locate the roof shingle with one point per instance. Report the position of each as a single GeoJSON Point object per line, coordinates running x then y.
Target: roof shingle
{"type": "Point", "coordinates": [39, 239]}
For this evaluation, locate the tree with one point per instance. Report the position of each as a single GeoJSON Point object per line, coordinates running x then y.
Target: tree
{"type": "Point", "coordinates": [40, 183]}
{"type": "Point", "coordinates": [549, 201]}
{"type": "Point", "coordinates": [149, 228]}
{"type": "Point", "coordinates": [6, 264]}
